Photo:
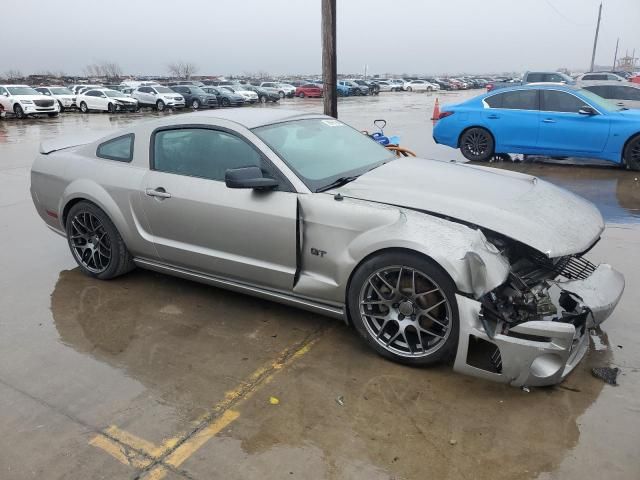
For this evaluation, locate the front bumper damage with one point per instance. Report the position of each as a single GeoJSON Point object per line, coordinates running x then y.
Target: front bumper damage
{"type": "Point", "coordinates": [539, 352]}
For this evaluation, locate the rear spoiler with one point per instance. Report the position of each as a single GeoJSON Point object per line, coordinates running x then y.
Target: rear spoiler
{"type": "Point", "coordinates": [62, 143]}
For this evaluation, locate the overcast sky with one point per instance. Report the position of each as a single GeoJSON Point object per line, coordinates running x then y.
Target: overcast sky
{"type": "Point", "coordinates": [283, 36]}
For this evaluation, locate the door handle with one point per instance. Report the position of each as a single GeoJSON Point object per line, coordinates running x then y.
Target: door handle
{"type": "Point", "coordinates": [549, 120]}
{"type": "Point", "coordinates": [493, 116]}
{"type": "Point", "coordinates": [159, 192]}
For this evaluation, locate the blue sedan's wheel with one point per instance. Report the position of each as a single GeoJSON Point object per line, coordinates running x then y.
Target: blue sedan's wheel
{"type": "Point", "coordinates": [477, 145]}
{"type": "Point", "coordinates": [632, 154]}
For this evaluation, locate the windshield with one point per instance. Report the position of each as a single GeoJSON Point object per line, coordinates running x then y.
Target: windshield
{"type": "Point", "coordinates": [163, 90]}
{"type": "Point", "coordinates": [113, 93]}
{"type": "Point", "coordinates": [600, 102]}
{"type": "Point", "coordinates": [320, 151]}
{"type": "Point", "coordinates": [197, 90]}
{"type": "Point", "coordinates": [61, 91]}
{"type": "Point", "coordinates": [22, 91]}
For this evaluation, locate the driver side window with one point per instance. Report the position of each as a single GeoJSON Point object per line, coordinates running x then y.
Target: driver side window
{"type": "Point", "coordinates": [199, 152]}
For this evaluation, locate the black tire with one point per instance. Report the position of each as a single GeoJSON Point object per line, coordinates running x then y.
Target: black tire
{"type": "Point", "coordinates": [111, 108]}
{"type": "Point", "coordinates": [632, 154]}
{"type": "Point", "coordinates": [195, 104]}
{"type": "Point", "coordinates": [301, 95]}
{"type": "Point", "coordinates": [226, 102]}
{"type": "Point", "coordinates": [409, 89]}
{"type": "Point", "coordinates": [263, 99]}
{"type": "Point", "coordinates": [52, 115]}
{"type": "Point", "coordinates": [120, 260]}
{"type": "Point", "coordinates": [429, 273]}
{"type": "Point", "coordinates": [84, 108]}
{"type": "Point", "coordinates": [477, 144]}
{"type": "Point", "coordinates": [160, 106]}
{"type": "Point", "coordinates": [18, 111]}
{"type": "Point", "coordinates": [61, 107]}
{"type": "Point", "coordinates": [281, 93]}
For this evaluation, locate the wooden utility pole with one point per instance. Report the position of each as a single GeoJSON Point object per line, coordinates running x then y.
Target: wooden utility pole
{"type": "Point", "coordinates": [595, 40]}
{"type": "Point", "coordinates": [329, 64]}
{"type": "Point", "coordinates": [615, 55]}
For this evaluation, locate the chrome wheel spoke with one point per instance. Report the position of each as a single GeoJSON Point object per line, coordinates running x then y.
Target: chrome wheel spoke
{"type": "Point", "coordinates": [393, 302]}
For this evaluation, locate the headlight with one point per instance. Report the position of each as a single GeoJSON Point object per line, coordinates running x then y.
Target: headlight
{"type": "Point", "coordinates": [26, 102]}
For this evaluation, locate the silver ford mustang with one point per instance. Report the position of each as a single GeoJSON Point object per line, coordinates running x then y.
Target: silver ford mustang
{"type": "Point", "coordinates": [429, 261]}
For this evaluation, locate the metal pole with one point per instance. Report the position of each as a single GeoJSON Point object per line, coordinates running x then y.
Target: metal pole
{"type": "Point", "coordinates": [595, 40]}
{"type": "Point", "coordinates": [615, 55]}
{"type": "Point", "coordinates": [329, 64]}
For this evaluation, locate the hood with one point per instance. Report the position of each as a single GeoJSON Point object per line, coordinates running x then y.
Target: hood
{"type": "Point", "coordinates": [534, 212]}
{"type": "Point", "coordinates": [31, 97]}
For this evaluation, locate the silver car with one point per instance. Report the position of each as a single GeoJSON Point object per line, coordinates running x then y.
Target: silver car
{"type": "Point", "coordinates": [623, 94]}
{"type": "Point", "coordinates": [428, 260]}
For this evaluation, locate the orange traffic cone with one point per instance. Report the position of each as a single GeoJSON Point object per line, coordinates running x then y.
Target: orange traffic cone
{"type": "Point", "coordinates": [436, 111]}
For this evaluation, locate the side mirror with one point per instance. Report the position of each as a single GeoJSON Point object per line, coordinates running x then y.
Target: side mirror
{"type": "Point", "coordinates": [5, 94]}
{"type": "Point", "coordinates": [587, 110]}
{"type": "Point", "coordinates": [248, 177]}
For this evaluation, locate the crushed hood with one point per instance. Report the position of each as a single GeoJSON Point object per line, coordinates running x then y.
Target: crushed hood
{"type": "Point", "coordinates": [522, 207]}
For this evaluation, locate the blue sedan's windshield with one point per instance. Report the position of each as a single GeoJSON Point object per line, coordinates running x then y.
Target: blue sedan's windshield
{"type": "Point", "coordinates": [598, 101]}
{"type": "Point", "coordinates": [321, 151]}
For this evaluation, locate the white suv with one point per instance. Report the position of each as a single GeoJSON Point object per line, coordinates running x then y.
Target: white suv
{"type": "Point", "coordinates": [284, 89]}
{"type": "Point", "coordinates": [65, 97]}
{"type": "Point", "coordinates": [23, 100]}
{"type": "Point", "coordinates": [158, 97]}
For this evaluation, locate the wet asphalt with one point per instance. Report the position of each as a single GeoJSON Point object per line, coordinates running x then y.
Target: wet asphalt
{"type": "Point", "coordinates": [150, 376]}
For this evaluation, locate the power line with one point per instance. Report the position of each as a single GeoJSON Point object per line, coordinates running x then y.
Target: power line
{"type": "Point", "coordinates": [567, 19]}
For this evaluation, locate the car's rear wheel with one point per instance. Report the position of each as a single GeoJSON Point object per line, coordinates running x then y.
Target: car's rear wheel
{"type": "Point", "coordinates": [226, 102]}
{"type": "Point", "coordinates": [301, 95]}
{"type": "Point", "coordinates": [18, 111]}
{"type": "Point", "coordinates": [282, 94]}
{"type": "Point", "coordinates": [160, 106]}
{"type": "Point", "coordinates": [632, 154]}
{"type": "Point", "coordinates": [404, 306]}
{"type": "Point", "coordinates": [477, 145]}
{"type": "Point", "coordinates": [83, 107]}
{"type": "Point", "coordinates": [263, 99]}
{"type": "Point", "coordinates": [95, 243]}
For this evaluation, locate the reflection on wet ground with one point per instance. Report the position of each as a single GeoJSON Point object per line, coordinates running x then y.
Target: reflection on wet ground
{"type": "Point", "coordinates": [154, 355]}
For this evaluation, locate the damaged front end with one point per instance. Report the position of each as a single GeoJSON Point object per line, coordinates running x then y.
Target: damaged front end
{"type": "Point", "coordinates": [533, 329]}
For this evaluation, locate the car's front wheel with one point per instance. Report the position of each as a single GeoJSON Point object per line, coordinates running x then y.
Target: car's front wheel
{"type": "Point", "coordinates": [160, 106]}
{"type": "Point", "coordinates": [18, 111]}
{"type": "Point", "coordinates": [632, 154]}
{"type": "Point", "coordinates": [282, 94]}
{"type": "Point", "coordinates": [404, 306]}
{"type": "Point", "coordinates": [195, 104]}
{"type": "Point", "coordinates": [95, 242]}
{"type": "Point", "coordinates": [477, 145]}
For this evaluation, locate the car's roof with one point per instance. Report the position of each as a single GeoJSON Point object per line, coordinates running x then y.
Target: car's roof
{"type": "Point", "coordinates": [595, 83]}
{"type": "Point", "coordinates": [538, 86]}
{"type": "Point", "coordinates": [247, 117]}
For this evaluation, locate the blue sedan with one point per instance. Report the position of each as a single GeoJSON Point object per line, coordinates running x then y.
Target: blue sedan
{"type": "Point", "coordinates": [552, 120]}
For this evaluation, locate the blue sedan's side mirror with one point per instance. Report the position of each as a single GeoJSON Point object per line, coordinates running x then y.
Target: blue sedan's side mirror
{"type": "Point", "coordinates": [587, 110]}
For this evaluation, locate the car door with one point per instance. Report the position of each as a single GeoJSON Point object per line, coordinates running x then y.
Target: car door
{"type": "Point", "coordinates": [565, 131]}
{"type": "Point", "coordinates": [626, 95]}
{"type": "Point", "coordinates": [199, 224]}
{"type": "Point", "coordinates": [513, 118]}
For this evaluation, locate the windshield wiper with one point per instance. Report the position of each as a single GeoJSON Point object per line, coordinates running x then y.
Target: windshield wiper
{"type": "Point", "coordinates": [338, 182]}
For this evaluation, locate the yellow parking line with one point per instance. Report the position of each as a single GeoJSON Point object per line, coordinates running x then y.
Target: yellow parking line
{"type": "Point", "coordinates": [119, 452]}
{"type": "Point", "coordinates": [179, 448]}
{"type": "Point", "coordinates": [189, 447]}
{"type": "Point", "coordinates": [133, 441]}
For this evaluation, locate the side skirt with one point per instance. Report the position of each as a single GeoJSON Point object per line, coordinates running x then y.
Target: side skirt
{"type": "Point", "coordinates": [260, 292]}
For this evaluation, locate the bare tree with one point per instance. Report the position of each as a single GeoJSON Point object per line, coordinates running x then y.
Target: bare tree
{"type": "Point", "coordinates": [103, 69]}
{"type": "Point", "coordinates": [13, 75]}
{"type": "Point", "coordinates": [182, 69]}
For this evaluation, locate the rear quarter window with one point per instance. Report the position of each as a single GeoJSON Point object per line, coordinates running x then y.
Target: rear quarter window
{"type": "Point", "coordinates": [119, 149]}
